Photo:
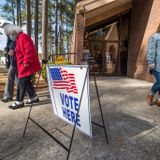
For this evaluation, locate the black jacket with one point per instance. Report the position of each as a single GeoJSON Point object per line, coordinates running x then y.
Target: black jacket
{"type": "Point", "coordinates": [11, 45]}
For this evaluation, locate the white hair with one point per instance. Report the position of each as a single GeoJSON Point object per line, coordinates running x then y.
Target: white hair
{"type": "Point", "coordinates": [9, 29]}
{"type": "Point", "coordinates": [6, 29]}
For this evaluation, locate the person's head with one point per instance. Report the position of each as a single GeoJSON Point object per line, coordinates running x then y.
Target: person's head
{"type": "Point", "coordinates": [6, 29]}
{"type": "Point", "coordinates": [158, 29]}
{"type": "Point", "coordinates": [12, 31]}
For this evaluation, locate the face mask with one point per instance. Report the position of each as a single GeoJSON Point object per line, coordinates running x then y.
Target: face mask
{"type": "Point", "coordinates": [12, 37]}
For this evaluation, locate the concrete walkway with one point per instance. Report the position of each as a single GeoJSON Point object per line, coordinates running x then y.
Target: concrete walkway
{"type": "Point", "coordinates": [133, 127]}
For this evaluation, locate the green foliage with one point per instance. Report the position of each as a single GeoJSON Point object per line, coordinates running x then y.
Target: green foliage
{"type": "Point", "coordinates": [66, 14]}
{"type": "Point", "coordinates": [44, 74]}
{"type": "Point", "coordinates": [2, 53]}
{"type": "Point", "coordinates": [8, 10]}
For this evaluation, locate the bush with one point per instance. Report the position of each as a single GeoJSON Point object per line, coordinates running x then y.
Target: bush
{"type": "Point", "coordinates": [59, 61]}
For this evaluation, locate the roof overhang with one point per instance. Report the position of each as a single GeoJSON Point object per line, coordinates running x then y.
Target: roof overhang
{"type": "Point", "coordinates": [99, 10]}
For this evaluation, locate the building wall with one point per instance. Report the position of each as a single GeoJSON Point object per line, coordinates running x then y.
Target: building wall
{"type": "Point", "coordinates": [145, 18]}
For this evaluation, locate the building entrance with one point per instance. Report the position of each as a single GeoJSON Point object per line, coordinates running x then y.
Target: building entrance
{"type": "Point", "coordinates": [109, 47]}
{"type": "Point", "coordinates": [106, 57]}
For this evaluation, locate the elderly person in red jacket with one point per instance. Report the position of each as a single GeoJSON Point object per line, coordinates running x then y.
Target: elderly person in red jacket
{"type": "Point", "coordinates": [27, 64]}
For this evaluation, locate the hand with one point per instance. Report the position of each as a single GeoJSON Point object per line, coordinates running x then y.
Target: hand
{"type": "Point", "coordinates": [151, 66]}
{"type": "Point", "coordinates": [11, 53]}
{"type": "Point", "coordinates": [26, 65]}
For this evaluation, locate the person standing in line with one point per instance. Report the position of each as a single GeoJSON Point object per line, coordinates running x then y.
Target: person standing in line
{"type": "Point", "coordinates": [99, 61]}
{"type": "Point", "coordinates": [27, 64]}
{"type": "Point", "coordinates": [12, 67]}
{"type": "Point", "coordinates": [153, 58]}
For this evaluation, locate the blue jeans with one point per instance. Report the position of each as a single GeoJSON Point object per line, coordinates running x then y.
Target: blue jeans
{"type": "Point", "coordinates": [156, 85]}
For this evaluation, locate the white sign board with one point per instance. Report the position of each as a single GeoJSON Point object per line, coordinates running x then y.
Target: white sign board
{"type": "Point", "coordinates": [65, 86]}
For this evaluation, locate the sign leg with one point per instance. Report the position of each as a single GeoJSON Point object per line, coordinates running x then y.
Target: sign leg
{"type": "Point", "coordinates": [27, 120]}
{"type": "Point", "coordinates": [99, 102]}
{"type": "Point", "coordinates": [69, 150]}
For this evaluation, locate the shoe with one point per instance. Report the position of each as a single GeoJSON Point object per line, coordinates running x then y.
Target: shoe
{"type": "Point", "coordinates": [6, 100]}
{"type": "Point", "coordinates": [16, 105]}
{"type": "Point", "coordinates": [33, 100]}
{"type": "Point", "coordinates": [157, 103]}
{"type": "Point", "coordinates": [150, 100]}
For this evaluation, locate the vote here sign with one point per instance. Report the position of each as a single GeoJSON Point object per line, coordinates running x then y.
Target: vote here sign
{"type": "Point", "coordinates": [65, 86]}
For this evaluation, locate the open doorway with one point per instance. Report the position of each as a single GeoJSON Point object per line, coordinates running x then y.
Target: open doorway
{"type": "Point", "coordinates": [109, 47]}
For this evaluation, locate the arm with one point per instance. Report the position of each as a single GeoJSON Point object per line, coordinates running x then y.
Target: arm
{"type": "Point", "coordinates": [12, 47]}
{"type": "Point", "coordinates": [7, 45]}
{"type": "Point", "coordinates": [151, 52]}
{"type": "Point", "coordinates": [27, 48]}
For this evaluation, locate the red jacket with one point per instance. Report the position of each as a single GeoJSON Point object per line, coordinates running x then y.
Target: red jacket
{"type": "Point", "coordinates": [26, 54]}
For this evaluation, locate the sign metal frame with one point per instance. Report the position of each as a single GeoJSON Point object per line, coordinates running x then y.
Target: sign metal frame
{"type": "Point", "coordinates": [68, 149]}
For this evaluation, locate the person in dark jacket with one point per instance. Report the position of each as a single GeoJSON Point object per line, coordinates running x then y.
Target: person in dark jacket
{"type": "Point", "coordinates": [12, 67]}
{"type": "Point", "coordinates": [99, 61]}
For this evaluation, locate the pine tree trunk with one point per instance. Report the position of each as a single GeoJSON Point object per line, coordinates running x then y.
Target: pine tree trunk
{"type": "Point", "coordinates": [12, 5]}
{"type": "Point", "coordinates": [29, 17]}
{"type": "Point", "coordinates": [36, 23]}
{"type": "Point", "coordinates": [50, 35]}
{"type": "Point", "coordinates": [44, 28]}
{"type": "Point", "coordinates": [20, 17]}
{"type": "Point", "coordinates": [17, 7]}
{"type": "Point", "coordinates": [56, 26]}
{"type": "Point", "coordinates": [61, 27]}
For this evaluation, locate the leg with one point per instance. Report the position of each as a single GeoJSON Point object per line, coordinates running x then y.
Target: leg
{"type": "Point", "coordinates": [155, 87]}
{"type": "Point", "coordinates": [158, 99]}
{"type": "Point", "coordinates": [32, 94]}
{"type": "Point", "coordinates": [9, 89]}
{"type": "Point", "coordinates": [22, 87]}
{"type": "Point", "coordinates": [16, 76]}
{"type": "Point", "coordinates": [30, 89]}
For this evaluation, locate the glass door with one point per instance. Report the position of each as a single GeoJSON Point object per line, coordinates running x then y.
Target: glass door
{"type": "Point", "coordinates": [97, 51]}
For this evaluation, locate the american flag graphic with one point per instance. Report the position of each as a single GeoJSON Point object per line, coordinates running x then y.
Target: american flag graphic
{"type": "Point", "coordinates": [63, 80]}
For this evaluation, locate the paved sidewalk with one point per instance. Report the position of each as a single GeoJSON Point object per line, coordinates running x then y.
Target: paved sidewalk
{"type": "Point", "coordinates": [133, 127]}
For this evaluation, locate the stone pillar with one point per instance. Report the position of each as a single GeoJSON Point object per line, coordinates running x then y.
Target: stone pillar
{"type": "Point", "coordinates": [78, 39]}
{"type": "Point", "coordinates": [145, 18]}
